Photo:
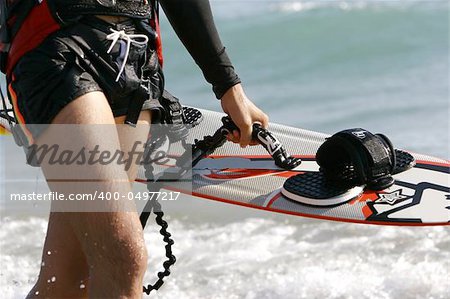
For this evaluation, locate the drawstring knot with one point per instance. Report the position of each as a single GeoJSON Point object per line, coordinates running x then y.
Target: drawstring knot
{"type": "Point", "coordinates": [137, 39]}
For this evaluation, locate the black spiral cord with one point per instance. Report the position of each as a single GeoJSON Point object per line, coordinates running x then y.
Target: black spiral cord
{"type": "Point", "coordinates": [155, 206]}
{"type": "Point", "coordinates": [192, 117]}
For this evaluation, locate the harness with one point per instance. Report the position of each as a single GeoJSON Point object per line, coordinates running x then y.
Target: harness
{"type": "Point", "coordinates": [24, 24]}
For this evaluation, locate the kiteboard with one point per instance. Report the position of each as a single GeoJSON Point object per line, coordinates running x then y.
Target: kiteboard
{"type": "Point", "coordinates": [419, 196]}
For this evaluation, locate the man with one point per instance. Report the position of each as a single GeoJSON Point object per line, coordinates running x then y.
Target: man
{"type": "Point", "coordinates": [86, 73]}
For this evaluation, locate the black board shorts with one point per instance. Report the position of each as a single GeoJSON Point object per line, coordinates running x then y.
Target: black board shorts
{"type": "Point", "coordinates": [73, 62]}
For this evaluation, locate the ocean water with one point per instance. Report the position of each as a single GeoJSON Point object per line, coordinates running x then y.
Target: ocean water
{"type": "Point", "coordinates": [319, 65]}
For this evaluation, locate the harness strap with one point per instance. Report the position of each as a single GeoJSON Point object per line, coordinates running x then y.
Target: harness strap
{"type": "Point", "coordinates": [21, 9]}
{"type": "Point", "coordinates": [28, 28]}
{"type": "Point", "coordinates": [174, 117]}
{"type": "Point", "coordinates": [135, 105]}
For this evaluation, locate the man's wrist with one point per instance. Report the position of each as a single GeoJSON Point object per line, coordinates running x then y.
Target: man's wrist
{"type": "Point", "coordinates": [221, 90]}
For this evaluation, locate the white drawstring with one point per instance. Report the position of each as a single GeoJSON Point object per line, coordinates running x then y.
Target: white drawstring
{"type": "Point", "coordinates": [130, 39]}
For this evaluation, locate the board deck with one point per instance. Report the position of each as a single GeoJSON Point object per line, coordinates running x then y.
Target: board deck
{"type": "Point", "coordinates": [249, 178]}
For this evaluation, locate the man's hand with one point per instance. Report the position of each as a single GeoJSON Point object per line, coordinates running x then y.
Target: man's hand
{"type": "Point", "coordinates": [244, 114]}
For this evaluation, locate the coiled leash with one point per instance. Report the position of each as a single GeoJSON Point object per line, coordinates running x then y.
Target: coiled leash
{"type": "Point", "coordinates": [179, 118]}
{"type": "Point", "coordinates": [155, 207]}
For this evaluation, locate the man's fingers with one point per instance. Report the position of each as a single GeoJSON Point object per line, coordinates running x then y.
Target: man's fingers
{"type": "Point", "coordinates": [265, 121]}
{"type": "Point", "coordinates": [246, 134]}
{"type": "Point", "coordinates": [233, 136]}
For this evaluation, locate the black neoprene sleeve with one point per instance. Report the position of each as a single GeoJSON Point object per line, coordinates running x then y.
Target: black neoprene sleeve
{"type": "Point", "coordinates": [193, 22]}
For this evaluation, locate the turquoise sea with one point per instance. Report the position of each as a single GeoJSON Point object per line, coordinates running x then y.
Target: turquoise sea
{"type": "Point", "coordinates": [330, 65]}
{"type": "Point", "coordinates": [318, 65]}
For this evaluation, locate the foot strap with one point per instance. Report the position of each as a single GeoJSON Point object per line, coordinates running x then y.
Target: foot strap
{"type": "Point", "coordinates": [358, 157]}
{"type": "Point", "coordinates": [350, 161]}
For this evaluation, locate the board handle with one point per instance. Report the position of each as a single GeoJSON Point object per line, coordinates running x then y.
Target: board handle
{"type": "Point", "coordinates": [270, 143]}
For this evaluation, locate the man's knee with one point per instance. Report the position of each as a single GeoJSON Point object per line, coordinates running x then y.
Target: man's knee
{"type": "Point", "coordinates": [125, 257]}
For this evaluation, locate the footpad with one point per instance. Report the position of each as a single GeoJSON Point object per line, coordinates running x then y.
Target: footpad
{"type": "Point", "coordinates": [403, 161]}
{"type": "Point", "coordinates": [192, 116]}
{"type": "Point", "coordinates": [312, 188]}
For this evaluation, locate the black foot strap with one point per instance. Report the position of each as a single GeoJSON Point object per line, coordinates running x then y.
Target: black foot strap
{"type": "Point", "coordinates": [316, 189]}
{"type": "Point", "coordinates": [358, 157]}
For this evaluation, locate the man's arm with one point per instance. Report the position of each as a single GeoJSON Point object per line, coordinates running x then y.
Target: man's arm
{"type": "Point", "coordinates": [193, 22]}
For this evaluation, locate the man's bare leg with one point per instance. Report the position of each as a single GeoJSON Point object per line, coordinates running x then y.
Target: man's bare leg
{"type": "Point", "coordinates": [64, 271]}
{"type": "Point", "coordinates": [108, 246]}
{"type": "Point", "coordinates": [129, 136]}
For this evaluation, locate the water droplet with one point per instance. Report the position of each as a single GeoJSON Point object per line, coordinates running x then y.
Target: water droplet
{"type": "Point", "coordinates": [42, 264]}
{"type": "Point", "coordinates": [49, 252]}
{"type": "Point", "coordinates": [53, 278]}
{"type": "Point", "coordinates": [82, 286]}
{"type": "Point", "coordinates": [36, 293]}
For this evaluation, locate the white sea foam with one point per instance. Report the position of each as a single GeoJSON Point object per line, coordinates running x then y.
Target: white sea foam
{"type": "Point", "coordinates": [267, 258]}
